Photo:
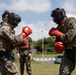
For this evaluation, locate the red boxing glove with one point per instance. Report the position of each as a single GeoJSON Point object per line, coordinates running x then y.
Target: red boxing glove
{"type": "Point", "coordinates": [59, 48]}
{"type": "Point", "coordinates": [23, 34]}
{"type": "Point", "coordinates": [24, 43]}
{"type": "Point", "coordinates": [26, 31]}
{"type": "Point", "coordinates": [55, 32]}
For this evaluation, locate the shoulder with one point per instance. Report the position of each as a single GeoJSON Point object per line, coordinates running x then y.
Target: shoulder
{"type": "Point", "coordinates": [71, 19]}
{"type": "Point", "coordinates": [5, 27]}
{"type": "Point", "coordinates": [71, 23]}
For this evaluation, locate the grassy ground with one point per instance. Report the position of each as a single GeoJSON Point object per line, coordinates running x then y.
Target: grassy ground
{"type": "Point", "coordinates": [40, 68]}
{"type": "Point", "coordinates": [46, 55]}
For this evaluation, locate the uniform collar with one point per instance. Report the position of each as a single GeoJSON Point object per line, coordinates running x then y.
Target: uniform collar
{"type": "Point", "coordinates": [64, 20]}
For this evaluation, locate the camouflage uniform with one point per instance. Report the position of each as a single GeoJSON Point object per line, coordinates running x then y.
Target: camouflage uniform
{"type": "Point", "coordinates": [24, 57]}
{"type": "Point", "coordinates": [7, 42]}
{"type": "Point", "coordinates": [69, 40]}
{"type": "Point", "coordinates": [1, 24]}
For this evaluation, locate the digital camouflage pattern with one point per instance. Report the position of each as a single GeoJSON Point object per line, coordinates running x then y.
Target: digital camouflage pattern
{"type": "Point", "coordinates": [7, 34]}
{"type": "Point", "coordinates": [24, 57]}
{"type": "Point", "coordinates": [8, 67]}
{"type": "Point", "coordinates": [68, 61]}
{"type": "Point", "coordinates": [8, 40]}
{"type": "Point", "coordinates": [68, 28]}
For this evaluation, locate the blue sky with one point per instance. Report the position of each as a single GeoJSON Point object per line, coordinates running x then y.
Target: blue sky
{"type": "Point", "coordinates": [36, 14]}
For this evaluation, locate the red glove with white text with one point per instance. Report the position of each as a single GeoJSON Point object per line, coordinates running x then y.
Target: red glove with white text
{"type": "Point", "coordinates": [26, 31]}
{"type": "Point", "coordinates": [59, 48]}
{"type": "Point", "coordinates": [55, 32]}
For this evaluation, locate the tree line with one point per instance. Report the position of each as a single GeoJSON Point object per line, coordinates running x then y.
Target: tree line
{"type": "Point", "coordinates": [46, 43]}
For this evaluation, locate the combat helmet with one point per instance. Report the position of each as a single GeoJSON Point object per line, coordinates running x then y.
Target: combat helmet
{"type": "Point", "coordinates": [14, 18]}
{"type": "Point", "coordinates": [59, 14]}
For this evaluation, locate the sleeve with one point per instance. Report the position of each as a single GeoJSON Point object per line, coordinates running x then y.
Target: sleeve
{"type": "Point", "coordinates": [10, 36]}
{"type": "Point", "coordinates": [30, 44]}
{"type": "Point", "coordinates": [71, 33]}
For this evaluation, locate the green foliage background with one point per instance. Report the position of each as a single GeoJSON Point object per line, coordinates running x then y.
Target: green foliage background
{"type": "Point", "coordinates": [48, 44]}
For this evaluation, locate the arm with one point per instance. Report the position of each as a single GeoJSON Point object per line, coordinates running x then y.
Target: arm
{"type": "Point", "coordinates": [70, 36]}
{"type": "Point", "coordinates": [30, 44]}
{"type": "Point", "coordinates": [30, 47]}
{"type": "Point", "coordinates": [55, 32]}
{"type": "Point", "coordinates": [8, 34]}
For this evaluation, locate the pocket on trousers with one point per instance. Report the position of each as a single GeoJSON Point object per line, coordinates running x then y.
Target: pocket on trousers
{"type": "Point", "coordinates": [11, 67]}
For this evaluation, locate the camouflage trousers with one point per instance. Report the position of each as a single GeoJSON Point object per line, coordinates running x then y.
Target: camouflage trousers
{"type": "Point", "coordinates": [8, 67]}
{"type": "Point", "coordinates": [24, 59]}
{"type": "Point", "coordinates": [68, 61]}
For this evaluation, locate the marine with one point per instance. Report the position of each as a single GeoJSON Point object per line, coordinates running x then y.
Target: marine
{"type": "Point", "coordinates": [8, 41]}
{"type": "Point", "coordinates": [65, 34]}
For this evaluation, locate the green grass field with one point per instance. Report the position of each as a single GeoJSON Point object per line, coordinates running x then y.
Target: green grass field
{"type": "Point", "coordinates": [40, 68]}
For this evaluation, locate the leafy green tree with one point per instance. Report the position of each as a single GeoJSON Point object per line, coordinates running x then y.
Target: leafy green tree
{"type": "Point", "coordinates": [48, 44]}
